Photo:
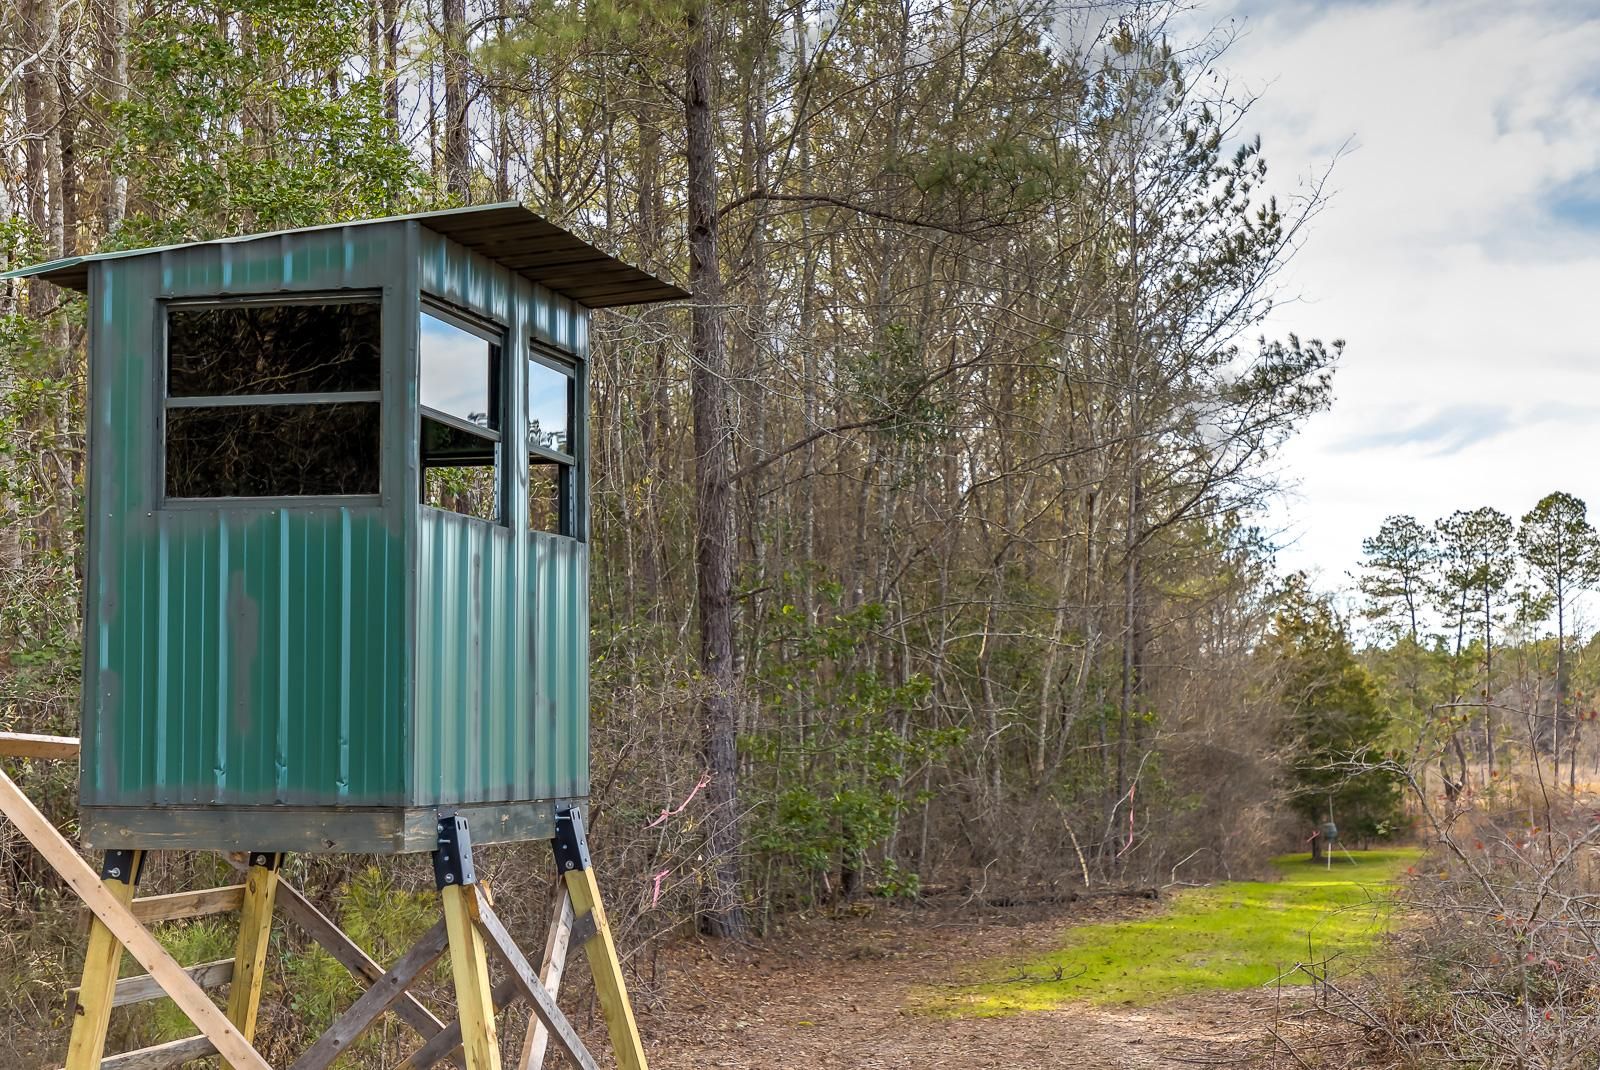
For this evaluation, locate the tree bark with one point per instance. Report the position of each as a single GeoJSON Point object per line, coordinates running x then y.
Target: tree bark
{"type": "Point", "coordinates": [457, 173]}
{"type": "Point", "coordinates": [722, 910]}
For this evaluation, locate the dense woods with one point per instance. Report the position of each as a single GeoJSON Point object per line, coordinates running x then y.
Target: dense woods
{"type": "Point", "coordinates": [923, 536]}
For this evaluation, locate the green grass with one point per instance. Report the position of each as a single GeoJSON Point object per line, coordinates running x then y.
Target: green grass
{"type": "Point", "coordinates": [1240, 934]}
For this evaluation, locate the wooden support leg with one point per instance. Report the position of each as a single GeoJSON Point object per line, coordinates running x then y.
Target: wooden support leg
{"type": "Point", "coordinates": [537, 1040]}
{"type": "Point", "coordinates": [250, 954]}
{"type": "Point", "coordinates": [469, 959]}
{"type": "Point", "coordinates": [572, 859]}
{"type": "Point", "coordinates": [101, 964]}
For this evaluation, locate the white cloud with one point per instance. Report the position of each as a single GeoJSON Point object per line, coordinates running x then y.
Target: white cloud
{"type": "Point", "coordinates": [1459, 256]}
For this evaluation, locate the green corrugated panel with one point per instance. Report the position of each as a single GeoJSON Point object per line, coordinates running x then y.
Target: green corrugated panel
{"type": "Point", "coordinates": [237, 654]}
{"type": "Point", "coordinates": [324, 655]}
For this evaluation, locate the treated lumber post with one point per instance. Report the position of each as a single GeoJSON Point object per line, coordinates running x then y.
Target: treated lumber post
{"type": "Point", "coordinates": [572, 859]}
{"type": "Point", "coordinates": [102, 962]}
{"type": "Point", "coordinates": [537, 1040]}
{"type": "Point", "coordinates": [116, 916]}
{"type": "Point", "coordinates": [494, 931]}
{"type": "Point", "coordinates": [255, 930]}
{"type": "Point", "coordinates": [469, 960]}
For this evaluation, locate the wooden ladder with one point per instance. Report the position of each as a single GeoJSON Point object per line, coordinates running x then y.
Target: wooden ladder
{"type": "Point", "coordinates": [469, 931]}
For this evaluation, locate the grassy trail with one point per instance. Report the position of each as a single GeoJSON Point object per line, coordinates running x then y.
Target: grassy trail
{"type": "Point", "coordinates": [1240, 934]}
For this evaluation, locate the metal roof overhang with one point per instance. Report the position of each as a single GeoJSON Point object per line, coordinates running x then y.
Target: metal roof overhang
{"type": "Point", "coordinates": [507, 233]}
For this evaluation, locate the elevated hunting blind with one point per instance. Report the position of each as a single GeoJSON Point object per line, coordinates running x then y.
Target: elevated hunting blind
{"type": "Point", "coordinates": [337, 523]}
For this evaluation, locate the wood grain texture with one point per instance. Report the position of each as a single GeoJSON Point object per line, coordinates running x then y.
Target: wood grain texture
{"type": "Point", "coordinates": [144, 988]}
{"type": "Point", "coordinates": [537, 1039]}
{"type": "Point", "coordinates": [28, 745]}
{"type": "Point", "coordinates": [92, 1000]}
{"type": "Point", "coordinates": [469, 966]}
{"type": "Point", "coordinates": [114, 913]}
{"type": "Point", "coordinates": [383, 993]}
{"type": "Point", "coordinates": [494, 931]}
{"type": "Point", "coordinates": [250, 952]}
{"type": "Point", "coordinates": [161, 1056]}
{"type": "Point", "coordinates": [178, 906]}
{"type": "Point", "coordinates": [601, 951]}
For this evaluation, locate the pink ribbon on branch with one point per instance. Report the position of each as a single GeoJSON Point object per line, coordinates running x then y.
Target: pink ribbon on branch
{"type": "Point", "coordinates": [705, 778]}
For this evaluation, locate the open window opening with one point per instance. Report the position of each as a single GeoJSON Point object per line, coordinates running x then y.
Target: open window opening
{"type": "Point", "coordinates": [272, 399]}
{"type": "Point", "coordinates": [461, 418]}
{"type": "Point", "coordinates": [552, 454]}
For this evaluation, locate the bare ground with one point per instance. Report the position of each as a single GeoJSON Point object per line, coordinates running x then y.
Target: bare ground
{"type": "Point", "coordinates": [843, 991]}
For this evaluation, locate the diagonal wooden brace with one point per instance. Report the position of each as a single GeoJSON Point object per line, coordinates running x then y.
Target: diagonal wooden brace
{"type": "Point", "coordinates": [350, 1025]}
{"type": "Point", "coordinates": [496, 936]}
{"type": "Point", "coordinates": [117, 917]}
{"type": "Point", "coordinates": [551, 969]}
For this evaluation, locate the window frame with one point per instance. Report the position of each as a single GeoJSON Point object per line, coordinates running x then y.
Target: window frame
{"type": "Point", "coordinates": [568, 478]}
{"type": "Point", "coordinates": [497, 335]}
{"type": "Point", "coordinates": [165, 402]}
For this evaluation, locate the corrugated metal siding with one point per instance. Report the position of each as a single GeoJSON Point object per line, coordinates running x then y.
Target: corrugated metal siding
{"type": "Point", "coordinates": [325, 655]}
{"type": "Point", "coordinates": [502, 613]}
{"type": "Point", "coordinates": [501, 689]}
{"type": "Point", "coordinates": [241, 654]}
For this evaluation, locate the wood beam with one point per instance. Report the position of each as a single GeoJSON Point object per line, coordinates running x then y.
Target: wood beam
{"type": "Point", "coordinates": [117, 917]}
{"type": "Point", "coordinates": [102, 962]}
{"type": "Point", "coordinates": [543, 1006]}
{"type": "Point", "coordinates": [469, 965]}
{"type": "Point", "coordinates": [28, 745]}
{"type": "Point", "coordinates": [537, 1040]}
{"type": "Point", "coordinates": [349, 1026]}
{"type": "Point", "coordinates": [255, 931]}
{"type": "Point", "coordinates": [601, 951]}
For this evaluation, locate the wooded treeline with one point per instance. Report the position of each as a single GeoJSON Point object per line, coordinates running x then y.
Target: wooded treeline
{"type": "Point", "coordinates": [922, 537]}
{"type": "Point", "coordinates": [1480, 640]}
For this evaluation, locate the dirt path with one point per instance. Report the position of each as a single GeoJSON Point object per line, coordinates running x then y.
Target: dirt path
{"type": "Point", "coordinates": [843, 993]}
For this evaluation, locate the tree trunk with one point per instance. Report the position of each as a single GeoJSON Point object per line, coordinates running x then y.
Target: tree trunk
{"type": "Point", "coordinates": [722, 911]}
{"type": "Point", "coordinates": [456, 170]}
{"type": "Point", "coordinates": [116, 92]}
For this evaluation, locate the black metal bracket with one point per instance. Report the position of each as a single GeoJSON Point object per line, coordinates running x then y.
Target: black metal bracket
{"type": "Point", "coordinates": [268, 860]}
{"type": "Point", "coordinates": [584, 929]}
{"type": "Point", "coordinates": [124, 866]}
{"type": "Point", "coordinates": [571, 847]}
{"type": "Point", "coordinates": [452, 859]}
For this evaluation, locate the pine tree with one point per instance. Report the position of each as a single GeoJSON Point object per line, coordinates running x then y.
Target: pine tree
{"type": "Point", "coordinates": [1333, 722]}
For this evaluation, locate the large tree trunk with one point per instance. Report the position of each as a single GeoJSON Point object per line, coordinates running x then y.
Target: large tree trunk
{"type": "Point", "coordinates": [722, 911]}
{"type": "Point", "coordinates": [457, 174]}
{"type": "Point", "coordinates": [116, 92]}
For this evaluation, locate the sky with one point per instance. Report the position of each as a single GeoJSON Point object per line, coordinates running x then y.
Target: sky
{"type": "Point", "coordinates": [1458, 256]}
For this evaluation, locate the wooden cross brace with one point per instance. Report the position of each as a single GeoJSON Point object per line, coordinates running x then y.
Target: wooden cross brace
{"type": "Point", "coordinates": [470, 927]}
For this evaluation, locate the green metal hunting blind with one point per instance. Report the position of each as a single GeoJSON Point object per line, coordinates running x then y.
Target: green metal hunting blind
{"type": "Point", "coordinates": [337, 526]}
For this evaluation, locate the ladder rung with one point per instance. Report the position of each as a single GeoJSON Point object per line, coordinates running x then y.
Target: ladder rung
{"type": "Point", "coordinates": [143, 988]}
{"type": "Point", "coordinates": [179, 905]}
{"type": "Point", "coordinates": [161, 1056]}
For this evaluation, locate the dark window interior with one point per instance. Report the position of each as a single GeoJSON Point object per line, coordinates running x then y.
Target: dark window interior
{"type": "Point", "coordinates": [272, 451]}
{"type": "Point", "coordinates": [272, 349]}
{"type": "Point", "coordinates": [459, 388]}
{"type": "Point", "coordinates": [231, 431]}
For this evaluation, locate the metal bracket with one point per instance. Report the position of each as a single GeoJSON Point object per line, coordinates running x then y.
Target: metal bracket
{"type": "Point", "coordinates": [571, 847]}
{"type": "Point", "coordinates": [583, 930]}
{"type": "Point", "coordinates": [124, 866]}
{"type": "Point", "coordinates": [268, 860]}
{"type": "Point", "coordinates": [452, 859]}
